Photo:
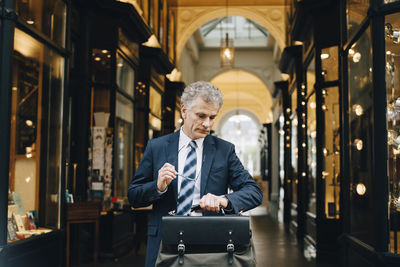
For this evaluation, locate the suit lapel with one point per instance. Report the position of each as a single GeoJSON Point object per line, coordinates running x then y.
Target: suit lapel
{"type": "Point", "coordinates": [172, 157]}
{"type": "Point", "coordinates": [208, 158]}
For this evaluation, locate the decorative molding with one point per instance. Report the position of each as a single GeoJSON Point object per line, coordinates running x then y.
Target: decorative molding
{"type": "Point", "coordinates": [189, 19]}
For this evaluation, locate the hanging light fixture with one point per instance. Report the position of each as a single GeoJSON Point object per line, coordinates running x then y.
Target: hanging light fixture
{"type": "Point", "coordinates": [227, 51]}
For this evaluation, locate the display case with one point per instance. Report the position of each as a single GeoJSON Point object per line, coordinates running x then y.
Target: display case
{"type": "Point", "coordinates": [392, 30]}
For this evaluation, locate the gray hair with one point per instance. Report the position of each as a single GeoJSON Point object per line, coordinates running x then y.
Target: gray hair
{"type": "Point", "coordinates": [206, 90]}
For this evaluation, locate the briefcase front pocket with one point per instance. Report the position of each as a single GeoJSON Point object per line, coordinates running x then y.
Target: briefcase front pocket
{"type": "Point", "coordinates": [187, 237]}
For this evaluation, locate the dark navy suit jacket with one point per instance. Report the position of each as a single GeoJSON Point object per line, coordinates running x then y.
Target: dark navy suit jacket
{"type": "Point", "coordinates": [221, 169]}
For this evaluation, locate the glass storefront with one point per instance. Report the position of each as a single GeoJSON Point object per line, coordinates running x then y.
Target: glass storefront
{"type": "Point", "coordinates": [35, 139]}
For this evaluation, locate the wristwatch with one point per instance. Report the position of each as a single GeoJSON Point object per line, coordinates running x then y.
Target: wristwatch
{"type": "Point", "coordinates": [229, 208]}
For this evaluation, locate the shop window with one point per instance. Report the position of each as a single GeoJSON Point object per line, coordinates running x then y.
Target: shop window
{"type": "Point", "coordinates": [124, 146]}
{"type": "Point", "coordinates": [46, 16]}
{"type": "Point", "coordinates": [125, 76]}
{"type": "Point", "coordinates": [35, 138]}
{"type": "Point", "coordinates": [294, 148]}
{"type": "Point", "coordinates": [101, 66]}
{"type": "Point", "coordinates": [356, 11]}
{"type": "Point", "coordinates": [329, 64]}
{"type": "Point", "coordinates": [312, 151]}
{"type": "Point", "coordinates": [393, 115]}
{"type": "Point", "coordinates": [101, 139]}
{"type": "Point", "coordinates": [155, 113]}
{"type": "Point", "coordinates": [331, 151]}
{"type": "Point", "coordinates": [360, 137]}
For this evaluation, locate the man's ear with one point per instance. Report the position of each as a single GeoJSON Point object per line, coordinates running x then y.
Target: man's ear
{"type": "Point", "coordinates": [183, 111]}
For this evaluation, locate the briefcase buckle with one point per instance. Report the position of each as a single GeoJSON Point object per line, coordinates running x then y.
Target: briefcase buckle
{"type": "Point", "coordinates": [181, 249]}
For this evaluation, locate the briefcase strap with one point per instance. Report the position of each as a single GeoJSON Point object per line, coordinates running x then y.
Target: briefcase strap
{"type": "Point", "coordinates": [230, 248]}
{"type": "Point", "coordinates": [181, 249]}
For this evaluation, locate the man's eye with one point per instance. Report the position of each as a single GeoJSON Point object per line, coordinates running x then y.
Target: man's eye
{"type": "Point", "coordinates": [212, 117]}
{"type": "Point", "coordinates": [202, 116]}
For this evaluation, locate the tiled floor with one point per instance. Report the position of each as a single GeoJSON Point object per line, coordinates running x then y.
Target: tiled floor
{"type": "Point", "coordinates": [274, 247]}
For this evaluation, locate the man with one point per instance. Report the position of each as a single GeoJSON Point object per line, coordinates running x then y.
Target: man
{"type": "Point", "coordinates": [191, 167]}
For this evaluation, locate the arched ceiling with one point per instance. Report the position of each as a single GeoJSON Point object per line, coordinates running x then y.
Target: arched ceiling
{"type": "Point", "coordinates": [191, 16]}
{"type": "Point", "coordinates": [245, 91]}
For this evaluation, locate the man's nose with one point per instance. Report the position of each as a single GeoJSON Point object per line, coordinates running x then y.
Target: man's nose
{"type": "Point", "coordinates": [207, 122]}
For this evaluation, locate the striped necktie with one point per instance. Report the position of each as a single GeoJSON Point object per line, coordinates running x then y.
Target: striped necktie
{"type": "Point", "coordinates": [187, 186]}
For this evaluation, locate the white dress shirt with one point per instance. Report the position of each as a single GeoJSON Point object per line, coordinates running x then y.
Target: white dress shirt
{"type": "Point", "coordinates": [183, 150]}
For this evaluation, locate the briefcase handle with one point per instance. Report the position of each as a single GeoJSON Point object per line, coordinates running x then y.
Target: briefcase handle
{"type": "Point", "coordinates": [221, 210]}
{"type": "Point", "coordinates": [197, 207]}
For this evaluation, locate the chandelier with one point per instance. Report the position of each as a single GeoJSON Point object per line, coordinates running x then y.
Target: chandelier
{"type": "Point", "coordinates": [227, 52]}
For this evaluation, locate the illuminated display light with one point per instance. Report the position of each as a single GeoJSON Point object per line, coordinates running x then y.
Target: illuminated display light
{"type": "Point", "coordinates": [361, 189]}
{"type": "Point", "coordinates": [358, 143]}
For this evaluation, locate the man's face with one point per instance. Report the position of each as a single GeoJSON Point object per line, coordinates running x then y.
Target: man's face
{"type": "Point", "coordinates": [199, 120]}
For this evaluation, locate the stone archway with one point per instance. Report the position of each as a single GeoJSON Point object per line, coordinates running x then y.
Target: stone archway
{"type": "Point", "coordinates": [189, 19]}
{"type": "Point", "coordinates": [244, 91]}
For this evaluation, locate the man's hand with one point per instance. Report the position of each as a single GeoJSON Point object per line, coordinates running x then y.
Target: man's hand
{"type": "Point", "coordinates": [165, 176]}
{"type": "Point", "coordinates": [212, 202]}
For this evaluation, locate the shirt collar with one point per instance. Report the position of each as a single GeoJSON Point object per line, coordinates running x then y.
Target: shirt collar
{"type": "Point", "coordinates": [184, 140]}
